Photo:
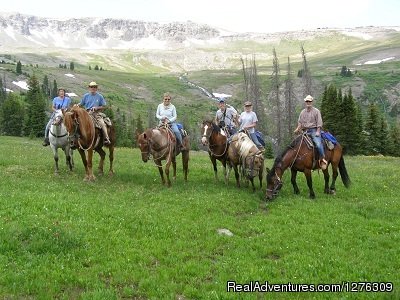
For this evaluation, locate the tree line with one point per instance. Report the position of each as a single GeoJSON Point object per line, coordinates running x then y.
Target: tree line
{"type": "Point", "coordinates": [360, 131]}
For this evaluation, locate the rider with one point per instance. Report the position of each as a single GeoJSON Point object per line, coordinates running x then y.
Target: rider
{"type": "Point", "coordinates": [166, 114]}
{"type": "Point", "coordinates": [226, 116]}
{"type": "Point", "coordinates": [248, 121]}
{"type": "Point", "coordinates": [94, 102]}
{"type": "Point", "coordinates": [60, 102]}
{"type": "Point", "coordinates": [310, 120]}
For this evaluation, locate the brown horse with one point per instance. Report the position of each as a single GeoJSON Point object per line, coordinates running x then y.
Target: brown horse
{"type": "Point", "coordinates": [217, 143]}
{"type": "Point", "coordinates": [161, 144]}
{"type": "Point", "coordinates": [300, 156]}
{"type": "Point", "coordinates": [87, 137]}
{"type": "Point", "coordinates": [244, 153]}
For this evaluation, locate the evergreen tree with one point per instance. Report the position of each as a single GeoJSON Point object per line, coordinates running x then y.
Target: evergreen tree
{"type": "Point", "coordinates": [18, 70]}
{"type": "Point", "coordinates": [90, 67]}
{"type": "Point", "coordinates": [45, 86]}
{"type": "Point", "coordinates": [348, 127]}
{"type": "Point", "coordinates": [36, 109]}
{"type": "Point", "coordinates": [139, 125]}
{"type": "Point", "coordinates": [373, 130]}
{"type": "Point", "coordinates": [394, 136]}
{"type": "Point", "coordinates": [96, 67]}
{"type": "Point", "coordinates": [329, 108]}
{"type": "Point", "coordinates": [71, 65]}
{"type": "Point", "coordinates": [12, 116]}
{"type": "Point", "coordinates": [54, 91]}
{"type": "Point", "coordinates": [385, 141]}
{"type": "Point", "coordinates": [3, 93]}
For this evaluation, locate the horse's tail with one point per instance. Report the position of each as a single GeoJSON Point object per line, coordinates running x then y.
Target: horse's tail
{"type": "Point", "coordinates": [343, 172]}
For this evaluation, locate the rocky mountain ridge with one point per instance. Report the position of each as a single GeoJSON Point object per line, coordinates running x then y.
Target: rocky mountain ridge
{"type": "Point", "coordinates": [17, 30]}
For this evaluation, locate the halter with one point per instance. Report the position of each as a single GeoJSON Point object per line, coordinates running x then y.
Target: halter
{"type": "Point", "coordinates": [167, 147]}
{"type": "Point", "coordinates": [277, 187]}
{"type": "Point", "coordinates": [58, 124]}
{"type": "Point", "coordinates": [212, 145]}
{"type": "Point", "coordinates": [76, 135]}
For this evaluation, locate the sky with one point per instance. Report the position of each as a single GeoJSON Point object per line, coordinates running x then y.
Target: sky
{"type": "Point", "coordinates": [231, 15]}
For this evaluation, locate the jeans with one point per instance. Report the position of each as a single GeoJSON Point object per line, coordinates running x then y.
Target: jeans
{"type": "Point", "coordinates": [255, 139]}
{"type": "Point", "coordinates": [317, 141]}
{"type": "Point", "coordinates": [47, 129]}
{"type": "Point", "coordinates": [176, 131]}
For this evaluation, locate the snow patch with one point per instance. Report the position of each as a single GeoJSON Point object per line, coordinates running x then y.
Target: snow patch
{"type": "Point", "coordinates": [70, 75]}
{"type": "Point", "coordinates": [71, 94]}
{"type": "Point", "coordinates": [22, 84]}
{"type": "Point", "coordinates": [377, 61]}
{"type": "Point", "coordinates": [10, 32]}
{"type": "Point", "coordinates": [221, 95]}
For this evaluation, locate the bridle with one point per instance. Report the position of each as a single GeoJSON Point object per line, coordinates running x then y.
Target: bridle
{"type": "Point", "coordinates": [277, 186]}
{"type": "Point", "coordinates": [208, 137]}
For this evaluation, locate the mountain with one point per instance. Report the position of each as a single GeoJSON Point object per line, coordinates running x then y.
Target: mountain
{"type": "Point", "coordinates": [168, 47]}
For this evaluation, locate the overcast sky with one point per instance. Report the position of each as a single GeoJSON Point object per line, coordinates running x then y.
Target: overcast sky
{"type": "Point", "coordinates": [234, 15]}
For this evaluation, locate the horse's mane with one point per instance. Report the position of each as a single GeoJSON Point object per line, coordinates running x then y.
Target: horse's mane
{"type": "Point", "coordinates": [280, 156]}
{"type": "Point", "coordinates": [246, 145]}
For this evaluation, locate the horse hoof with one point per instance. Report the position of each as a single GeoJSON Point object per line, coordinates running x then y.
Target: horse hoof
{"type": "Point", "coordinates": [332, 192]}
{"type": "Point", "coordinates": [111, 173]}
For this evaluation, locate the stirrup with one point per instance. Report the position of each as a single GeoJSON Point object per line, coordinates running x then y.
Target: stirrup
{"type": "Point", "coordinates": [323, 164]}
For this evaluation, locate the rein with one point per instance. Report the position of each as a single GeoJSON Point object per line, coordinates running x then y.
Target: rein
{"type": "Point", "coordinates": [167, 147]}
{"type": "Point", "coordinates": [213, 145]}
{"type": "Point", "coordinates": [76, 135]}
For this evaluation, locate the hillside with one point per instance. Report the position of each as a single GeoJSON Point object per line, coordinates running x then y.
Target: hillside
{"type": "Point", "coordinates": [140, 61]}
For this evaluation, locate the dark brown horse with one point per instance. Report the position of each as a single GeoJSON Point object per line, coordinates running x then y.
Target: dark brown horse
{"type": "Point", "coordinates": [217, 143]}
{"type": "Point", "coordinates": [244, 154]}
{"type": "Point", "coordinates": [160, 143]}
{"type": "Point", "coordinates": [300, 156]}
{"type": "Point", "coordinates": [87, 137]}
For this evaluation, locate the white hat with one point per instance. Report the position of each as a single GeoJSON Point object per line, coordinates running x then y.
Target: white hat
{"type": "Point", "coordinates": [308, 98]}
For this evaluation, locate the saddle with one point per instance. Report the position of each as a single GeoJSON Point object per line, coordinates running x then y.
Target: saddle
{"type": "Point", "coordinates": [106, 119]}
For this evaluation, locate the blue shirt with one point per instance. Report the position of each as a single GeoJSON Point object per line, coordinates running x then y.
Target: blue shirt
{"type": "Point", "coordinates": [59, 102]}
{"type": "Point", "coordinates": [89, 100]}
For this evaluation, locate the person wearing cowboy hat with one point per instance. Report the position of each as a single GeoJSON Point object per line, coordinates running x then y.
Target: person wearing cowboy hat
{"type": "Point", "coordinates": [95, 103]}
{"type": "Point", "coordinates": [248, 121]}
{"type": "Point", "coordinates": [310, 120]}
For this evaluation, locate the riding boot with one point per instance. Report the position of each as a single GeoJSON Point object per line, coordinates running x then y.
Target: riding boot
{"type": "Point", "coordinates": [105, 133]}
{"type": "Point", "coordinates": [323, 164]}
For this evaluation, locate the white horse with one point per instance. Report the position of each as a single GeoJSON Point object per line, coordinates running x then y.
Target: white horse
{"type": "Point", "coordinates": [58, 137]}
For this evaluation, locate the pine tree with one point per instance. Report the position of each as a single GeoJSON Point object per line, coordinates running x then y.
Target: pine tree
{"type": "Point", "coordinates": [385, 141]}
{"type": "Point", "coordinates": [329, 108]}
{"type": "Point", "coordinates": [12, 114]}
{"type": "Point", "coordinates": [71, 66]}
{"type": "Point", "coordinates": [18, 70]}
{"type": "Point", "coordinates": [54, 91]}
{"type": "Point", "coordinates": [394, 136]}
{"type": "Point", "coordinates": [373, 130]}
{"type": "Point", "coordinates": [36, 109]}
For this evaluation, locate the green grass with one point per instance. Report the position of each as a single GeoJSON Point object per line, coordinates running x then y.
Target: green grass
{"type": "Point", "coordinates": [129, 237]}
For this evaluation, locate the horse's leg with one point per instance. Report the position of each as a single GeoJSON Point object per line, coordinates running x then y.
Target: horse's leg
{"type": "Point", "coordinates": [111, 156]}
{"type": "Point", "coordinates": [326, 179]}
{"type": "Point", "coordinates": [174, 167]}
{"type": "Point", "coordinates": [252, 184]}
{"type": "Point", "coordinates": [223, 161]}
{"type": "Point", "coordinates": [90, 165]}
{"type": "Point", "coordinates": [334, 176]}
{"type": "Point", "coordinates": [185, 164]}
{"type": "Point", "coordinates": [307, 173]}
{"type": "Point", "coordinates": [167, 165]}
{"type": "Point", "coordinates": [160, 170]}
{"type": "Point", "coordinates": [85, 164]}
{"type": "Point", "coordinates": [235, 168]}
{"type": "Point", "coordinates": [68, 157]}
{"type": "Point", "coordinates": [260, 175]}
{"type": "Point", "coordinates": [102, 154]}
{"type": "Point", "coordinates": [214, 163]}
{"type": "Point", "coordinates": [55, 155]}
{"type": "Point", "coordinates": [294, 182]}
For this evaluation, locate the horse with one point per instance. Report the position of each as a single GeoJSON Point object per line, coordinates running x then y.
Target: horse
{"type": "Point", "coordinates": [58, 137]}
{"type": "Point", "coordinates": [88, 138]}
{"type": "Point", "coordinates": [160, 143]}
{"type": "Point", "coordinates": [244, 153]}
{"type": "Point", "coordinates": [299, 157]}
{"type": "Point", "coordinates": [217, 143]}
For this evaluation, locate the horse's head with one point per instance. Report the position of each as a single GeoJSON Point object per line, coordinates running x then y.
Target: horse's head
{"type": "Point", "coordinates": [254, 164]}
{"type": "Point", "coordinates": [58, 117]}
{"type": "Point", "coordinates": [274, 182]}
{"type": "Point", "coordinates": [144, 142]}
{"type": "Point", "coordinates": [206, 129]}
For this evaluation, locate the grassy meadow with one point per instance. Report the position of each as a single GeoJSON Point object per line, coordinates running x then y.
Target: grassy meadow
{"type": "Point", "coordinates": [128, 237]}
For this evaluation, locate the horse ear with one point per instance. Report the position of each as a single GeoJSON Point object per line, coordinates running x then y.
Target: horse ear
{"type": "Point", "coordinates": [144, 135]}
{"type": "Point", "coordinates": [69, 113]}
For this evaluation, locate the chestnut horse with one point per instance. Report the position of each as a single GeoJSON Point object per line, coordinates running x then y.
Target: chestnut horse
{"type": "Point", "coordinates": [88, 138]}
{"type": "Point", "coordinates": [300, 156]}
{"type": "Point", "coordinates": [244, 153]}
{"type": "Point", "coordinates": [217, 143]}
{"type": "Point", "coordinates": [160, 143]}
